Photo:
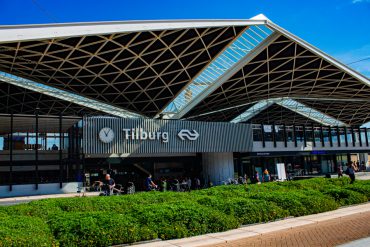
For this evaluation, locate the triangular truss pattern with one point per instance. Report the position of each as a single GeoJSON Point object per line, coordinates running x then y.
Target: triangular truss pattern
{"type": "Point", "coordinates": [137, 71]}
{"type": "Point", "coordinates": [277, 114]}
{"type": "Point", "coordinates": [226, 60]}
{"type": "Point", "coordinates": [354, 113]}
{"type": "Point", "coordinates": [65, 96]}
{"type": "Point", "coordinates": [291, 105]}
{"type": "Point", "coordinates": [284, 69]}
{"type": "Point", "coordinates": [19, 100]}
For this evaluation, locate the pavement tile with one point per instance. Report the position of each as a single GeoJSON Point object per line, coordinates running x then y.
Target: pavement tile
{"type": "Point", "coordinates": [233, 234]}
{"type": "Point", "coordinates": [196, 241]}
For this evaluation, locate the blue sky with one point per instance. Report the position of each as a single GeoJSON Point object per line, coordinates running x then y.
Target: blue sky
{"type": "Point", "coordinates": [338, 27]}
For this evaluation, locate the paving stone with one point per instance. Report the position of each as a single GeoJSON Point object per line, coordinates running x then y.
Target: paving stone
{"type": "Point", "coordinates": [324, 233]}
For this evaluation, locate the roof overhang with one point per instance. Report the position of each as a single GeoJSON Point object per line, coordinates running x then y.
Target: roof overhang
{"type": "Point", "coordinates": [18, 33]}
{"type": "Point", "coordinates": [142, 66]}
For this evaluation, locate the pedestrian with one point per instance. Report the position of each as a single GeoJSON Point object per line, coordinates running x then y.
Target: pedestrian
{"type": "Point", "coordinates": [257, 177]}
{"type": "Point", "coordinates": [189, 183]}
{"type": "Point", "coordinates": [149, 184]}
{"type": "Point", "coordinates": [340, 171]}
{"type": "Point", "coordinates": [197, 183]}
{"type": "Point", "coordinates": [163, 185]}
{"type": "Point", "coordinates": [266, 176]}
{"type": "Point", "coordinates": [351, 172]}
{"type": "Point", "coordinates": [108, 185]}
{"type": "Point", "coordinates": [245, 179]}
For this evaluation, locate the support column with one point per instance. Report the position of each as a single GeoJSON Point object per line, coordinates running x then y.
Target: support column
{"type": "Point", "coordinates": [285, 136]}
{"type": "Point", "coordinates": [60, 152]}
{"type": "Point", "coordinates": [353, 137]}
{"type": "Point", "coordinates": [346, 136]}
{"type": "Point", "coordinates": [338, 136]}
{"type": "Point", "coordinates": [295, 136]}
{"type": "Point", "coordinates": [359, 136]}
{"type": "Point", "coordinates": [10, 144]}
{"type": "Point", "coordinates": [330, 137]}
{"type": "Point", "coordinates": [304, 135]}
{"type": "Point", "coordinates": [322, 137]}
{"type": "Point", "coordinates": [217, 167]}
{"type": "Point", "coordinates": [313, 135]}
{"type": "Point", "coordinates": [37, 151]}
{"type": "Point", "coordinates": [263, 136]}
{"type": "Point", "coordinates": [274, 134]}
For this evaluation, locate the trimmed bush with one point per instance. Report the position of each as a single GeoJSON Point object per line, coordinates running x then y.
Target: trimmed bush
{"type": "Point", "coordinates": [104, 221]}
{"type": "Point", "coordinates": [346, 197]}
{"type": "Point", "coordinates": [24, 231]}
{"type": "Point", "coordinates": [188, 219]}
{"type": "Point", "coordinates": [97, 229]}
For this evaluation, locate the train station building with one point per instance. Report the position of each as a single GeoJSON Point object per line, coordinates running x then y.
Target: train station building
{"type": "Point", "coordinates": [214, 99]}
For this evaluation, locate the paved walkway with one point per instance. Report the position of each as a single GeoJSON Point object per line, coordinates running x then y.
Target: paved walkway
{"type": "Point", "coordinates": [25, 199]}
{"type": "Point", "coordinates": [326, 229]}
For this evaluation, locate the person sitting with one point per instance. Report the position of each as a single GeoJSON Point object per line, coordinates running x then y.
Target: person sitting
{"type": "Point", "coordinates": [54, 147]}
{"type": "Point", "coordinates": [108, 185]}
{"type": "Point", "coordinates": [149, 184]}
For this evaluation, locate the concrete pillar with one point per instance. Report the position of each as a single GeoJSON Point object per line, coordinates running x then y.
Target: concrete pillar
{"type": "Point", "coordinates": [217, 167]}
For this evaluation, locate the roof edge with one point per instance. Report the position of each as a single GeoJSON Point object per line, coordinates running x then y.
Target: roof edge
{"type": "Point", "coordinates": [49, 31]}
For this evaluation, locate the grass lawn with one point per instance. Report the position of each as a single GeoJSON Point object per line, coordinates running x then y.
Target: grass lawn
{"type": "Point", "coordinates": [104, 221]}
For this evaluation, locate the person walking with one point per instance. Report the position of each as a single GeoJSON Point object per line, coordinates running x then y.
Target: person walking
{"type": "Point", "coordinates": [351, 172]}
{"type": "Point", "coordinates": [340, 171]}
{"type": "Point", "coordinates": [149, 184]}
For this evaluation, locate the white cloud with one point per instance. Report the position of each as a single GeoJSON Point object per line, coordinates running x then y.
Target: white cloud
{"type": "Point", "coordinates": [355, 55]}
{"type": "Point", "coordinates": [360, 1]}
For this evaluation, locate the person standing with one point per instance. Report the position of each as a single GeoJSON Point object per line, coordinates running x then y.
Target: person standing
{"type": "Point", "coordinates": [266, 176]}
{"type": "Point", "coordinates": [257, 177]}
{"type": "Point", "coordinates": [189, 183]}
{"type": "Point", "coordinates": [351, 172]}
{"type": "Point", "coordinates": [197, 183]}
{"type": "Point", "coordinates": [340, 171]}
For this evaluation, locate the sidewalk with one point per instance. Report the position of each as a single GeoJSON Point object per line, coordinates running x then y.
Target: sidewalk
{"type": "Point", "coordinates": [23, 199]}
{"type": "Point", "coordinates": [325, 229]}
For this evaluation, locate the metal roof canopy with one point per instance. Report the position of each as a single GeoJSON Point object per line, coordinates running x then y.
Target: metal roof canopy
{"type": "Point", "coordinates": [294, 68]}
{"type": "Point", "coordinates": [137, 66]}
{"type": "Point", "coordinates": [20, 100]}
{"type": "Point", "coordinates": [288, 67]}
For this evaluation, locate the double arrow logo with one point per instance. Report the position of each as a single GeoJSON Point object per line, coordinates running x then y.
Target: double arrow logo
{"type": "Point", "coordinates": [190, 135]}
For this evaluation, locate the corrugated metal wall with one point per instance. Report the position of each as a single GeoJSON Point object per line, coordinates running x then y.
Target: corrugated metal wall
{"type": "Point", "coordinates": [213, 137]}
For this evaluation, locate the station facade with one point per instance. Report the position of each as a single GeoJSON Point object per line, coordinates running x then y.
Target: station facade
{"type": "Point", "coordinates": [213, 99]}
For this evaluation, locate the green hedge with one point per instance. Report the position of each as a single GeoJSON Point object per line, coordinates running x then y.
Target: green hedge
{"type": "Point", "coordinates": [24, 231]}
{"type": "Point", "coordinates": [104, 221]}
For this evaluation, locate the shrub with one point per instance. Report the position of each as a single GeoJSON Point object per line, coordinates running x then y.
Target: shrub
{"type": "Point", "coordinates": [182, 219]}
{"type": "Point", "coordinates": [346, 197]}
{"type": "Point", "coordinates": [361, 188]}
{"type": "Point", "coordinates": [24, 231]}
{"type": "Point", "coordinates": [103, 221]}
{"type": "Point", "coordinates": [247, 211]}
{"type": "Point", "coordinates": [97, 229]}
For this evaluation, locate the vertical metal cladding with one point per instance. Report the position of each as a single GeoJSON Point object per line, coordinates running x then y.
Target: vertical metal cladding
{"type": "Point", "coordinates": [213, 137]}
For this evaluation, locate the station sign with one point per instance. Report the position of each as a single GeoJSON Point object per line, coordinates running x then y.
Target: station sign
{"type": "Point", "coordinates": [110, 135]}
